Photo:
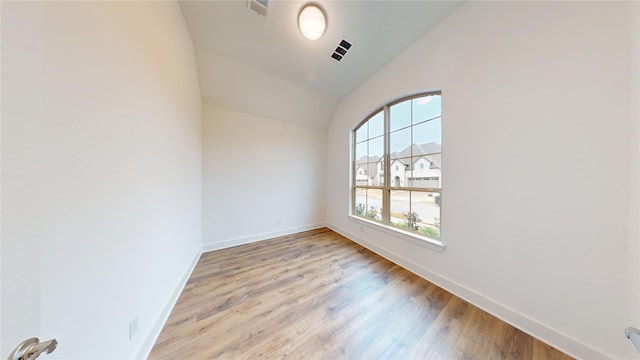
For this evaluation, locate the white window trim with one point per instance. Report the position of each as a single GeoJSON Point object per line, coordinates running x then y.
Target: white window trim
{"type": "Point", "coordinates": [427, 242]}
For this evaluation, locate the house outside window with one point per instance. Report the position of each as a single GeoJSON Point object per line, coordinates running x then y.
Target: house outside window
{"type": "Point", "coordinates": [405, 196]}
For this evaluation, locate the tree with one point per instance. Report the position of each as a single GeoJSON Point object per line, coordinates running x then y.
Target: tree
{"type": "Point", "coordinates": [372, 213]}
{"type": "Point", "coordinates": [412, 220]}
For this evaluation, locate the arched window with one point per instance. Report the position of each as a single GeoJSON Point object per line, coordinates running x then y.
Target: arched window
{"type": "Point", "coordinates": [401, 132]}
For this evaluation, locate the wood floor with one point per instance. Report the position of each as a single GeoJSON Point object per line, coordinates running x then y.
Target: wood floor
{"type": "Point", "coordinates": [317, 295]}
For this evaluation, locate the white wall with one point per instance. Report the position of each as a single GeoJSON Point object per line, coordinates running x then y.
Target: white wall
{"type": "Point", "coordinates": [537, 146]}
{"type": "Point", "coordinates": [261, 178]}
{"type": "Point", "coordinates": [0, 182]}
{"type": "Point", "coordinates": [235, 86]}
{"type": "Point", "coordinates": [101, 172]}
{"type": "Point", "coordinates": [22, 68]}
{"type": "Point", "coordinates": [634, 174]}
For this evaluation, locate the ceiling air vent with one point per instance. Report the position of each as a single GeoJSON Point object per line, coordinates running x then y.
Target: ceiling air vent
{"type": "Point", "coordinates": [260, 7]}
{"type": "Point", "coordinates": [341, 50]}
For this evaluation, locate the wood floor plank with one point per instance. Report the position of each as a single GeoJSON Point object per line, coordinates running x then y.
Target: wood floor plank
{"type": "Point", "coordinates": [318, 295]}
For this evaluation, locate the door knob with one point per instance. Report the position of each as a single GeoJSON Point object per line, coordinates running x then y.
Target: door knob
{"type": "Point", "coordinates": [31, 348]}
{"type": "Point", "coordinates": [633, 334]}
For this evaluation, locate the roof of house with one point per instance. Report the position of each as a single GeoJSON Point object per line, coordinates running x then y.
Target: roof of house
{"type": "Point", "coordinates": [371, 163]}
{"type": "Point", "coordinates": [429, 151]}
{"type": "Point", "coordinates": [417, 149]}
{"type": "Point", "coordinates": [433, 159]}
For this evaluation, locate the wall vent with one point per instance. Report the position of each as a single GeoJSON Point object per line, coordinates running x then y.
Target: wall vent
{"type": "Point", "coordinates": [341, 50]}
{"type": "Point", "coordinates": [260, 7]}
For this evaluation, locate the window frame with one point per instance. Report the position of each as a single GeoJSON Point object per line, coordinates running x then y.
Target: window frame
{"type": "Point", "coordinates": [387, 185]}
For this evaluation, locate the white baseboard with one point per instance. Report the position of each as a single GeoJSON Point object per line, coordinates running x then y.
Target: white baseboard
{"type": "Point", "coordinates": [521, 321]}
{"type": "Point", "coordinates": [152, 336]}
{"type": "Point", "coordinates": [258, 237]}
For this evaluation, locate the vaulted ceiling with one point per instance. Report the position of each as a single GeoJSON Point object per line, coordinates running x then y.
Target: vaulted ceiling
{"type": "Point", "coordinates": [266, 67]}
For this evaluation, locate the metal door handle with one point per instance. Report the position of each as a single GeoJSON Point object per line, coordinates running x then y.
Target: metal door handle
{"type": "Point", "coordinates": [633, 334]}
{"type": "Point", "coordinates": [31, 348]}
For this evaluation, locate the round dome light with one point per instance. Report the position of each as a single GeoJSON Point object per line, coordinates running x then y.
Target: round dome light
{"type": "Point", "coordinates": [312, 21]}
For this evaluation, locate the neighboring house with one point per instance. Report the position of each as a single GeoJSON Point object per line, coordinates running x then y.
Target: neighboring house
{"type": "Point", "coordinates": [368, 169]}
{"type": "Point", "coordinates": [399, 172]}
{"type": "Point", "coordinates": [418, 165]}
{"type": "Point", "coordinates": [425, 172]}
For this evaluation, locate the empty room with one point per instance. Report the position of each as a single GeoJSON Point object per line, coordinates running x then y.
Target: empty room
{"type": "Point", "coordinates": [320, 180]}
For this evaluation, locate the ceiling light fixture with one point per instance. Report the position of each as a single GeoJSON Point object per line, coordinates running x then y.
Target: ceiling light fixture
{"type": "Point", "coordinates": [312, 21]}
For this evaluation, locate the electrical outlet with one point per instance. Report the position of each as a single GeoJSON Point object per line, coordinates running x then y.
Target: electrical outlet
{"type": "Point", "coordinates": [133, 327]}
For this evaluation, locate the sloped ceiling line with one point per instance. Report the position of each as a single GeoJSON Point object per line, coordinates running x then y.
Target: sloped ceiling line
{"type": "Point", "coordinates": [264, 66]}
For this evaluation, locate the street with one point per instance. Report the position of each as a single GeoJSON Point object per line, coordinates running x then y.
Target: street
{"type": "Point", "coordinates": [422, 203]}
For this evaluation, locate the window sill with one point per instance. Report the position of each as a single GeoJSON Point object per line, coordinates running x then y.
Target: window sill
{"type": "Point", "coordinates": [429, 243]}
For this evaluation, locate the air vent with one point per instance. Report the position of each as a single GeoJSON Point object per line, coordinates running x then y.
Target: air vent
{"type": "Point", "coordinates": [341, 50]}
{"type": "Point", "coordinates": [260, 7]}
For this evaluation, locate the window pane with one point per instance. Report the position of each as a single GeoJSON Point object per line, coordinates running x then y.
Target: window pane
{"type": "Point", "coordinates": [360, 198]}
{"type": "Point", "coordinates": [361, 152]}
{"type": "Point", "coordinates": [398, 172]}
{"type": "Point", "coordinates": [426, 209]}
{"type": "Point", "coordinates": [425, 108]}
{"type": "Point", "coordinates": [376, 125]}
{"type": "Point", "coordinates": [400, 115]}
{"type": "Point", "coordinates": [399, 143]}
{"type": "Point", "coordinates": [425, 172]}
{"type": "Point", "coordinates": [427, 135]}
{"type": "Point", "coordinates": [376, 174]}
{"type": "Point", "coordinates": [374, 204]}
{"type": "Point", "coordinates": [362, 177]}
{"type": "Point", "coordinates": [414, 145]}
{"type": "Point", "coordinates": [376, 148]}
{"type": "Point", "coordinates": [399, 206]}
{"type": "Point", "coordinates": [361, 133]}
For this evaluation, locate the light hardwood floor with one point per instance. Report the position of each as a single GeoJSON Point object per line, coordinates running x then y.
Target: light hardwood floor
{"type": "Point", "coordinates": [318, 295]}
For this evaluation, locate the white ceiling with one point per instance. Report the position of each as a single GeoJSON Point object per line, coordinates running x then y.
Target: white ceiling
{"type": "Point", "coordinates": [226, 33]}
